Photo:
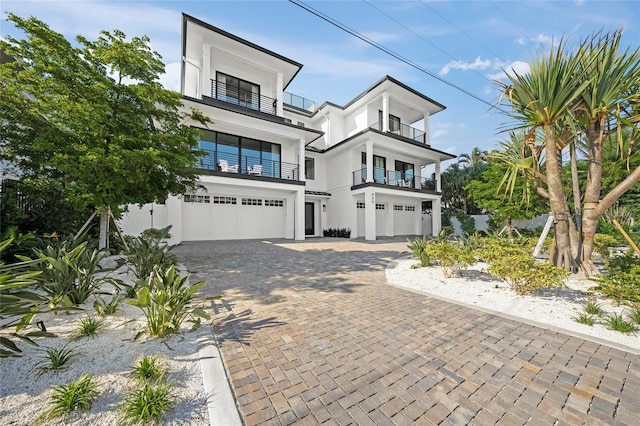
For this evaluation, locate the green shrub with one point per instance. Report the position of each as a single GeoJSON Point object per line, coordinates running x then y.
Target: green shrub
{"type": "Point", "coordinates": [526, 275]}
{"type": "Point", "coordinates": [149, 369]}
{"type": "Point", "coordinates": [148, 251]}
{"type": "Point", "coordinates": [73, 396]}
{"type": "Point", "coordinates": [54, 359]}
{"type": "Point", "coordinates": [450, 256]}
{"type": "Point", "coordinates": [104, 308]}
{"type": "Point", "coordinates": [417, 248]}
{"type": "Point", "coordinates": [622, 287]}
{"type": "Point", "coordinates": [585, 318]}
{"type": "Point", "coordinates": [89, 327]}
{"type": "Point", "coordinates": [148, 403]}
{"type": "Point", "coordinates": [467, 223]}
{"type": "Point", "coordinates": [165, 298]}
{"type": "Point", "coordinates": [603, 243]}
{"type": "Point", "coordinates": [337, 232]}
{"type": "Point", "coordinates": [617, 322]}
{"type": "Point", "coordinates": [627, 263]}
{"type": "Point", "coordinates": [593, 308]}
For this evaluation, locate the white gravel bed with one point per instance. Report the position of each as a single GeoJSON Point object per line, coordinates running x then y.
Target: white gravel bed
{"type": "Point", "coordinates": [474, 286]}
{"type": "Point", "coordinates": [109, 356]}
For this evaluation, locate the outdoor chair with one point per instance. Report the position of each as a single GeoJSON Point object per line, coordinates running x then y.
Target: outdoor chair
{"type": "Point", "coordinates": [255, 170]}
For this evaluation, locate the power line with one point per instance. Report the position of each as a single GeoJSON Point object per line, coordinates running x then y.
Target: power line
{"type": "Point", "coordinates": [422, 38]}
{"type": "Point", "coordinates": [460, 29]}
{"type": "Point", "coordinates": [512, 23]}
{"type": "Point", "coordinates": [389, 51]}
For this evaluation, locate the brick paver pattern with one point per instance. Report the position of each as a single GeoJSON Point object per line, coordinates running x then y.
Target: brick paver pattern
{"type": "Point", "coordinates": [310, 333]}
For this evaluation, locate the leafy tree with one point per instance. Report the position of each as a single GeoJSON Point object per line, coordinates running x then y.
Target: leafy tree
{"type": "Point", "coordinates": [93, 117]}
{"type": "Point", "coordinates": [454, 181]}
{"type": "Point", "coordinates": [591, 92]}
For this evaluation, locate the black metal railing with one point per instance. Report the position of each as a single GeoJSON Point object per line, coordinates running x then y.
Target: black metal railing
{"type": "Point", "coordinates": [246, 165]}
{"type": "Point", "coordinates": [395, 178]}
{"type": "Point", "coordinates": [299, 102]}
{"type": "Point", "coordinates": [244, 98]}
{"type": "Point", "coordinates": [403, 130]}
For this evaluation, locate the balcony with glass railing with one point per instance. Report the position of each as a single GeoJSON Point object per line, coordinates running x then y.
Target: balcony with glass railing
{"type": "Point", "coordinates": [299, 102]}
{"type": "Point", "coordinates": [394, 179]}
{"type": "Point", "coordinates": [403, 130]}
{"type": "Point", "coordinates": [235, 165]}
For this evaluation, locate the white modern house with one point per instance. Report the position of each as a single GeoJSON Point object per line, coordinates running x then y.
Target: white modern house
{"type": "Point", "coordinates": [279, 166]}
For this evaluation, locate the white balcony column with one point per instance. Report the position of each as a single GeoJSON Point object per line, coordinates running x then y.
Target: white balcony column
{"type": "Point", "coordinates": [299, 214]}
{"type": "Point", "coordinates": [436, 217]}
{"type": "Point", "coordinates": [427, 138]}
{"type": "Point", "coordinates": [301, 158]}
{"type": "Point", "coordinates": [205, 73]}
{"type": "Point", "coordinates": [438, 179]}
{"type": "Point", "coordinates": [385, 112]}
{"type": "Point", "coordinates": [369, 162]}
{"type": "Point", "coordinates": [369, 214]}
{"type": "Point", "coordinates": [279, 95]}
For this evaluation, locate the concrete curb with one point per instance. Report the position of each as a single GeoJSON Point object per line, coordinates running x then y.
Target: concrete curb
{"type": "Point", "coordinates": [220, 401]}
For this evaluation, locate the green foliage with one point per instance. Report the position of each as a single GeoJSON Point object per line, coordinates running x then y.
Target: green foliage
{"type": "Point", "coordinates": [450, 256]}
{"type": "Point", "coordinates": [628, 263]}
{"type": "Point", "coordinates": [148, 251]}
{"type": "Point", "coordinates": [104, 308]}
{"type": "Point", "coordinates": [89, 327]}
{"type": "Point", "coordinates": [634, 315]}
{"type": "Point", "coordinates": [337, 232]}
{"type": "Point", "coordinates": [166, 300]}
{"type": "Point", "coordinates": [623, 287]}
{"type": "Point", "coordinates": [106, 142]}
{"type": "Point", "coordinates": [72, 396]}
{"type": "Point", "coordinates": [54, 359]}
{"type": "Point", "coordinates": [602, 244]}
{"type": "Point", "coordinates": [593, 308]}
{"type": "Point", "coordinates": [617, 322]}
{"type": "Point", "coordinates": [69, 275]}
{"type": "Point", "coordinates": [513, 262]}
{"type": "Point", "coordinates": [417, 248]}
{"type": "Point", "coordinates": [467, 223]}
{"type": "Point", "coordinates": [21, 244]}
{"type": "Point", "coordinates": [148, 403]}
{"type": "Point", "coordinates": [585, 318]}
{"type": "Point", "coordinates": [148, 369]}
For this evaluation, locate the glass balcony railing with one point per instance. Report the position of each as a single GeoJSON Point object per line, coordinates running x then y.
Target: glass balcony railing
{"type": "Point", "coordinates": [403, 130]}
{"type": "Point", "coordinates": [394, 178]}
{"type": "Point", "coordinates": [244, 165]}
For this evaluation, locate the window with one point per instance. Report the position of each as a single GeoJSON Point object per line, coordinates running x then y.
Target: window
{"type": "Point", "coordinates": [404, 175]}
{"type": "Point", "coordinates": [236, 91]}
{"type": "Point", "coordinates": [397, 207]}
{"type": "Point", "coordinates": [409, 208]}
{"type": "Point", "coordinates": [251, 202]}
{"type": "Point", "coordinates": [379, 168]}
{"type": "Point", "coordinates": [223, 200]}
{"type": "Point", "coordinates": [309, 168]}
{"type": "Point", "coordinates": [274, 203]}
{"type": "Point", "coordinates": [394, 123]}
{"type": "Point", "coordinates": [379, 206]}
{"type": "Point", "coordinates": [195, 198]}
{"type": "Point", "coordinates": [360, 205]}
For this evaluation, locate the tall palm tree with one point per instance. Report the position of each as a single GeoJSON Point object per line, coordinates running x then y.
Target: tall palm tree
{"type": "Point", "coordinates": [539, 99]}
{"type": "Point", "coordinates": [477, 156]}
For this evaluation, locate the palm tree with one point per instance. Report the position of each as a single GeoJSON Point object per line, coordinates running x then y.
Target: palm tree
{"type": "Point", "coordinates": [539, 99]}
{"type": "Point", "coordinates": [476, 157]}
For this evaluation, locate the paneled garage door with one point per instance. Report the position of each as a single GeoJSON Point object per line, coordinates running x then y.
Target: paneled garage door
{"type": "Point", "coordinates": [404, 219]}
{"type": "Point", "coordinates": [221, 217]}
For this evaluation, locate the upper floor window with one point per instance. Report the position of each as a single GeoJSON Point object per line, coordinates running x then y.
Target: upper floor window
{"type": "Point", "coordinates": [309, 168]}
{"type": "Point", "coordinates": [394, 122]}
{"type": "Point", "coordinates": [237, 91]}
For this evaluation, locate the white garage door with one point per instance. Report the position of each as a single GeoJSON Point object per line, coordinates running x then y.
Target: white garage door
{"type": "Point", "coordinates": [404, 219]}
{"type": "Point", "coordinates": [218, 217]}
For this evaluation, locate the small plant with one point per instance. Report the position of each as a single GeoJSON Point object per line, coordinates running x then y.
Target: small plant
{"type": "Point", "coordinates": [73, 396]}
{"type": "Point", "coordinates": [337, 232]}
{"type": "Point", "coordinates": [634, 315]}
{"type": "Point", "coordinates": [148, 403]}
{"type": "Point", "coordinates": [623, 287]}
{"type": "Point", "coordinates": [593, 308]}
{"type": "Point", "coordinates": [602, 244]}
{"type": "Point", "coordinates": [89, 327]}
{"type": "Point", "coordinates": [585, 318]}
{"type": "Point", "coordinates": [104, 308]}
{"type": "Point", "coordinates": [450, 256]}
{"type": "Point", "coordinates": [54, 359]}
{"type": "Point", "coordinates": [618, 323]}
{"type": "Point", "coordinates": [148, 251]}
{"type": "Point", "coordinates": [165, 298]}
{"type": "Point", "coordinates": [148, 369]}
{"type": "Point", "coordinates": [417, 248]}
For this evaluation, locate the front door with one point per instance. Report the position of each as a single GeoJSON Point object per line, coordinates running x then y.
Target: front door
{"type": "Point", "coordinates": [309, 219]}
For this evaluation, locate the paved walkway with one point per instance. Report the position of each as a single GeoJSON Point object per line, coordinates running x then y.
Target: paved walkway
{"type": "Point", "coordinates": [310, 334]}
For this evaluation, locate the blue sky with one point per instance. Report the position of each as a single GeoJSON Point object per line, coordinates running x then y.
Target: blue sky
{"type": "Point", "coordinates": [468, 43]}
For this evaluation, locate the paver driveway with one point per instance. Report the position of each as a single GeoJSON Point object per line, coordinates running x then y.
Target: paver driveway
{"type": "Point", "coordinates": [310, 333]}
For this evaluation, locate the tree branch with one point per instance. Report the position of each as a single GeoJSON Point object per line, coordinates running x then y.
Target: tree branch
{"type": "Point", "coordinates": [617, 192]}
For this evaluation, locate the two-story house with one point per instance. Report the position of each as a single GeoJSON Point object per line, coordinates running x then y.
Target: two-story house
{"type": "Point", "coordinates": [279, 166]}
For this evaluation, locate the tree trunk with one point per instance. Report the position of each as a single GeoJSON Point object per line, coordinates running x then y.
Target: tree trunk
{"type": "Point", "coordinates": [558, 202]}
{"type": "Point", "coordinates": [576, 247]}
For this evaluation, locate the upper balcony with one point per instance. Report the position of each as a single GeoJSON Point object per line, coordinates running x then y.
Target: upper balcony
{"type": "Point", "coordinates": [299, 102]}
{"type": "Point", "coordinates": [249, 99]}
{"type": "Point", "coordinates": [395, 179]}
{"type": "Point", "coordinates": [406, 131]}
{"type": "Point", "coordinates": [234, 165]}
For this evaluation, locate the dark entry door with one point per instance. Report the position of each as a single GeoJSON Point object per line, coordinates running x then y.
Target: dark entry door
{"type": "Point", "coordinates": [309, 219]}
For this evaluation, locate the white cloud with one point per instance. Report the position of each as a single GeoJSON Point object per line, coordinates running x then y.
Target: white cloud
{"type": "Point", "coordinates": [439, 133]}
{"type": "Point", "coordinates": [519, 67]}
{"type": "Point", "coordinates": [478, 64]}
{"type": "Point", "coordinates": [541, 38]}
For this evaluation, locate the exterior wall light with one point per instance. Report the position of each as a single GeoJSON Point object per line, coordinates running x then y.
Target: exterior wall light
{"type": "Point", "coordinates": [324, 207]}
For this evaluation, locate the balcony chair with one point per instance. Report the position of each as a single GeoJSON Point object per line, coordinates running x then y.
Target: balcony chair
{"type": "Point", "coordinates": [255, 170]}
{"type": "Point", "coordinates": [225, 167]}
